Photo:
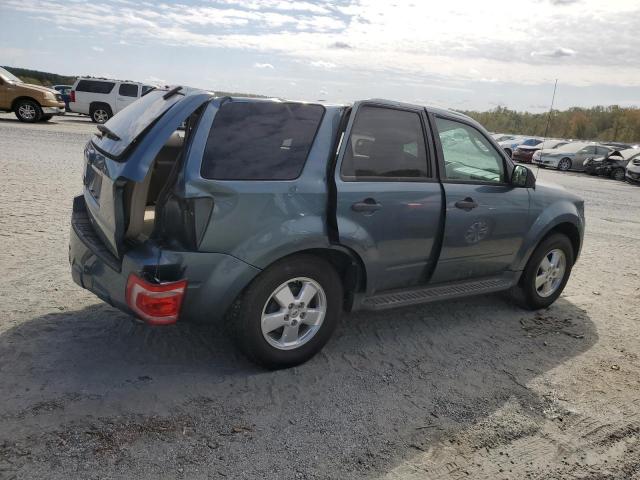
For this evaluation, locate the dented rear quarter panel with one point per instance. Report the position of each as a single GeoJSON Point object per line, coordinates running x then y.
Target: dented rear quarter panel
{"type": "Point", "coordinates": [261, 221]}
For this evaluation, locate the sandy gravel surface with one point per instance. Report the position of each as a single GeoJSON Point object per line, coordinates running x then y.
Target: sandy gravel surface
{"type": "Point", "coordinates": [467, 389]}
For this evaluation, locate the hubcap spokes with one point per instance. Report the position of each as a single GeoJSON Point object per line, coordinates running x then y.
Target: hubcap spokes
{"type": "Point", "coordinates": [294, 313]}
{"type": "Point", "coordinates": [551, 272]}
{"type": "Point", "coordinates": [27, 111]}
{"type": "Point", "coordinates": [101, 116]}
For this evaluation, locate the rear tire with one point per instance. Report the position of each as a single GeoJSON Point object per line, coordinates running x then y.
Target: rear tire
{"type": "Point", "coordinates": [46, 118]}
{"type": "Point", "coordinates": [28, 111]}
{"type": "Point", "coordinates": [564, 164]}
{"type": "Point", "coordinates": [100, 113]}
{"type": "Point", "coordinates": [531, 292]}
{"type": "Point", "coordinates": [299, 330]}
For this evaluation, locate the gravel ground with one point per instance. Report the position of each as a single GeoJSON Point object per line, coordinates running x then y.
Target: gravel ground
{"type": "Point", "coordinates": [468, 389]}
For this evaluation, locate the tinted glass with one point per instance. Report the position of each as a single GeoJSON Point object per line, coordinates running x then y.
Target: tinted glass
{"type": "Point", "coordinates": [385, 143]}
{"type": "Point", "coordinates": [146, 89]}
{"type": "Point", "coordinates": [128, 90]}
{"type": "Point", "coordinates": [470, 156]}
{"type": "Point", "coordinates": [94, 86]}
{"type": "Point", "coordinates": [260, 140]}
{"type": "Point", "coordinates": [602, 151]}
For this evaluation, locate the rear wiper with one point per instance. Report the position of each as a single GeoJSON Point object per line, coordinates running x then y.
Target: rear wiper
{"type": "Point", "coordinates": [108, 133]}
{"type": "Point", "coordinates": [172, 92]}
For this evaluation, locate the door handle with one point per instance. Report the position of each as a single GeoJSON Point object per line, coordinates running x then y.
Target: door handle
{"type": "Point", "coordinates": [467, 204]}
{"type": "Point", "coordinates": [368, 205]}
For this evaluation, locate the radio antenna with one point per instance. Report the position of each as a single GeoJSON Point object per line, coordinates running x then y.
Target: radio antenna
{"type": "Point", "coordinates": [546, 129]}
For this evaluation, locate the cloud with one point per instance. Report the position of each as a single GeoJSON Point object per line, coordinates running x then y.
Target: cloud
{"type": "Point", "coordinates": [557, 53]}
{"type": "Point", "coordinates": [323, 64]}
{"type": "Point", "coordinates": [97, 49]}
{"type": "Point", "coordinates": [563, 2]}
{"type": "Point", "coordinates": [264, 65]}
{"type": "Point", "coordinates": [340, 45]}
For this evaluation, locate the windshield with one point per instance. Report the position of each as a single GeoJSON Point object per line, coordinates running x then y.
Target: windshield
{"type": "Point", "coordinates": [125, 127]}
{"type": "Point", "coordinates": [9, 76]}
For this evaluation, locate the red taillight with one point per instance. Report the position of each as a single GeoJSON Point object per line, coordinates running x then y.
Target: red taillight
{"type": "Point", "coordinates": [72, 96]}
{"type": "Point", "coordinates": [155, 303]}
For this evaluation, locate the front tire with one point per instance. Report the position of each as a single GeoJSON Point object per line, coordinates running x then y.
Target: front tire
{"type": "Point", "coordinates": [546, 273]}
{"type": "Point", "coordinates": [28, 111]}
{"type": "Point", "coordinates": [288, 313]}
{"type": "Point", "coordinates": [618, 174]}
{"type": "Point", "coordinates": [564, 164]}
{"type": "Point", "coordinates": [46, 118]}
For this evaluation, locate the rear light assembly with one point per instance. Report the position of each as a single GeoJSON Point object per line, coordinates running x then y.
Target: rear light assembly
{"type": "Point", "coordinates": [72, 96]}
{"type": "Point", "coordinates": [155, 303]}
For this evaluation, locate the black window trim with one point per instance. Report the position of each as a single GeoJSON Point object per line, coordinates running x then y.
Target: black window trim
{"type": "Point", "coordinates": [304, 163]}
{"type": "Point", "coordinates": [508, 166]}
{"type": "Point", "coordinates": [430, 178]}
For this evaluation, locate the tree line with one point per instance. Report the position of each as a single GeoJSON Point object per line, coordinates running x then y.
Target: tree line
{"type": "Point", "coordinates": [612, 123]}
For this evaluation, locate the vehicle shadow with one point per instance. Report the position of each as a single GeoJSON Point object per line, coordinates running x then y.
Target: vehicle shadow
{"type": "Point", "coordinates": [95, 389]}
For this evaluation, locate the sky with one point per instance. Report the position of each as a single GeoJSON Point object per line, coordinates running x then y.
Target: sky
{"type": "Point", "coordinates": [461, 54]}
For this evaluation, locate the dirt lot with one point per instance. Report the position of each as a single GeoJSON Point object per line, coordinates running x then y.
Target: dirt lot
{"type": "Point", "coordinates": [467, 389]}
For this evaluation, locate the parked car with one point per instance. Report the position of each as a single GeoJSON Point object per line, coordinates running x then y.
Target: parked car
{"type": "Point", "coordinates": [261, 216]}
{"type": "Point", "coordinates": [524, 153]}
{"type": "Point", "coordinates": [101, 98]}
{"type": "Point", "coordinates": [501, 137]}
{"type": "Point", "coordinates": [510, 145]}
{"type": "Point", "coordinates": [613, 165]}
{"type": "Point", "coordinates": [570, 156]}
{"type": "Point", "coordinates": [632, 174]}
{"type": "Point", "coordinates": [65, 93]}
{"type": "Point", "coordinates": [30, 103]}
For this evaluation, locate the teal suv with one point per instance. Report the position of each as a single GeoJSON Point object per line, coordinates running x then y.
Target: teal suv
{"type": "Point", "coordinates": [272, 217]}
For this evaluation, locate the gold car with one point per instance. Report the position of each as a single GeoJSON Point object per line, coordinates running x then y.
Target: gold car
{"type": "Point", "coordinates": [30, 103]}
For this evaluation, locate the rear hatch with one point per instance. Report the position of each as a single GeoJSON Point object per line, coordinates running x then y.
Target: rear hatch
{"type": "Point", "coordinates": [124, 150]}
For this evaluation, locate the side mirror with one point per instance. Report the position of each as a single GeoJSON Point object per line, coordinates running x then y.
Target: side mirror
{"type": "Point", "coordinates": [523, 177]}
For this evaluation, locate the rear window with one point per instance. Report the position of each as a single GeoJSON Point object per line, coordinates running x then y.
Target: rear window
{"type": "Point", "coordinates": [94, 86]}
{"type": "Point", "coordinates": [129, 123]}
{"type": "Point", "coordinates": [260, 140]}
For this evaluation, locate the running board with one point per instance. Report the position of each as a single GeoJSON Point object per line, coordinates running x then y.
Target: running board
{"type": "Point", "coordinates": [398, 298]}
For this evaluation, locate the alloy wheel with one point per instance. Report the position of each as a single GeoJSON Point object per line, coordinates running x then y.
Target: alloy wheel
{"type": "Point", "coordinates": [551, 272]}
{"type": "Point", "coordinates": [27, 111]}
{"type": "Point", "coordinates": [100, 115]}
{"type": "Point", "coordinates": [564, 164]}
{"type": "Point", "coordinates": [293, 313]}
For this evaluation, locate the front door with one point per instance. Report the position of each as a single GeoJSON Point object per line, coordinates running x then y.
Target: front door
{"type": "Point", "coordinates": [127, 94]}
{"type": "Point", "coordinates": [388, 201]}
{"type": "Point", "coordinates": [486, 217]}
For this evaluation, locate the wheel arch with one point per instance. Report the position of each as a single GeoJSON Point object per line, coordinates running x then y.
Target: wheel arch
{"type": "Point", "coordinates": [568, 223]}
{"type": "Point", "coordinates": [98, 103]}
{"type": "Point", "coordinates": [21, 98]}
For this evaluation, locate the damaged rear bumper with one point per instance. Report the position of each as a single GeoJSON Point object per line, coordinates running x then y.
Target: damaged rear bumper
{"type": "Point", "coordinates": [214, 280]}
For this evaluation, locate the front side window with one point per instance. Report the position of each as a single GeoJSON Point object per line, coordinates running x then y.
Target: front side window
{"type": "Point", "coordinates": [260, 140]}
{"type": "Point", "coordinates": [385, 143]}
{"type": "Point", "coordinates": [128, 90]}
{"type": "Point", "coordinates": [471, 157]}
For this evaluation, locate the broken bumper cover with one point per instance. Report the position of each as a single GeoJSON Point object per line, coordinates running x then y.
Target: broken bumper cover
{"type": "Point", "coordinates": [214, 280]}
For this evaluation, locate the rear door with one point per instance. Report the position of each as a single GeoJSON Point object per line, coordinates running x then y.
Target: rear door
{"type": "Point", "coordinates": [389, 204]}
{"type": "Point", "coordinates": [123, 153]}
{"type": "Point", "coordinates": [127, 94]}
{"type": "Point", "coordinates": [486, 217]}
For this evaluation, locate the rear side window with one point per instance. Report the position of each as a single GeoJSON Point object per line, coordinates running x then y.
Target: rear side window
{"type": "Point", "coordinates": [260, 140]}
{"type": "Point", "coordinates": [94, 86]}
{"type": "Point", "coordinates": [128, 90]}
{"type": "Point", "coordinates": [386, 144]}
